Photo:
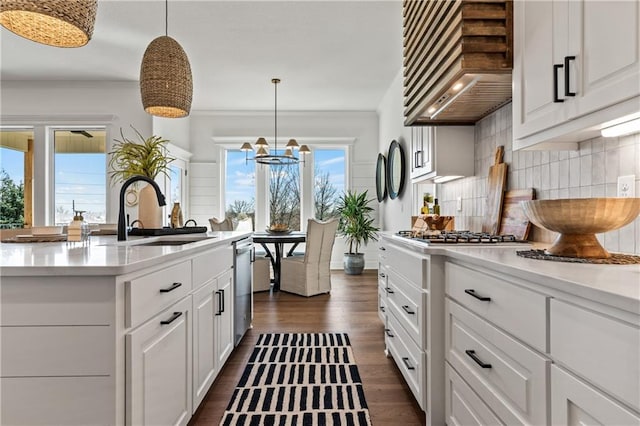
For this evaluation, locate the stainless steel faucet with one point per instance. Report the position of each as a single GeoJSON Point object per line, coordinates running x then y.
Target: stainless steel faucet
{"type": "Point", "coordinates": [122, 227]}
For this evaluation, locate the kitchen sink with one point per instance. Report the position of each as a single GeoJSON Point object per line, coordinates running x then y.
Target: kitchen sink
{"type": "Point", "coordinates": [169, 242]}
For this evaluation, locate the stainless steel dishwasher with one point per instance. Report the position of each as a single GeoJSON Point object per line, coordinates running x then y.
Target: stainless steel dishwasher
{"type": "Point", "coordinates": [244, 256]}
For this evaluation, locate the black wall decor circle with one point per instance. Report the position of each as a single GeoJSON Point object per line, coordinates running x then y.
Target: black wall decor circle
{"type": "Point", "coordinates": [381, 177]}
{"type": "Point", "coordinates": [395, 170]}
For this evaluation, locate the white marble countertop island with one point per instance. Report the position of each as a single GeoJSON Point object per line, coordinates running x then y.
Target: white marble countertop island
{"type": "Point", "coordinates": [103, 255]}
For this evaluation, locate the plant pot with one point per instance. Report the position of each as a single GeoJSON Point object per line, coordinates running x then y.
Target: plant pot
{"type": "Point", "coordinates": [353, 263]}
{"type": "Point", "coordinates": [149, 212]}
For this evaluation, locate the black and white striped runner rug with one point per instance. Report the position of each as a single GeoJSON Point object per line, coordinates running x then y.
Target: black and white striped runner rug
{"type": "Point", "coordinates": [299, 379]}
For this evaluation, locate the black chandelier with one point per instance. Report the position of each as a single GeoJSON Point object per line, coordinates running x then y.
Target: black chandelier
{"type": "Point", "coordinates": [262, 155]}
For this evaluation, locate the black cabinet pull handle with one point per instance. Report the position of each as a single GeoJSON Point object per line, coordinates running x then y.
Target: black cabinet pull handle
{"type": "Point", "coordinates": [174, 317]}
{"type": "Point", "coordinates": [222, 298]}
{"type": "Point", "coordinates": [382, 275]}
{"type": "Point", "coordinates": [556, 67]}
{"type": "Point", "coordinates": [382, 309]}
{"type": "Point", "coordinates": [407, 310]}
{"type": "Point", "coordinates": [473, 356]}
{"type": "Point", "coordinates": [472, 292]}
{"type": "Point", "coordinates": [406, 363]}
{"type": "Point", "coordinates": [567, 92]}
{"type": "Point", "coordinates": [389, 291]}
{"type": "Point", "coordinates": [386, 330]}
{"type": "Point", "coordinates": [382, 248]}
{"type": "Point", "coordinates": [219, 303]}
{"type": "Point", "coordinates": [168, 289]}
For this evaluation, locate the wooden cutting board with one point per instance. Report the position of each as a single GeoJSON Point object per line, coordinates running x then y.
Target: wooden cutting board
{"type": "Point", "coordinates": [496, 184]}
{"type": "Point", "coordinates": [514, 221]}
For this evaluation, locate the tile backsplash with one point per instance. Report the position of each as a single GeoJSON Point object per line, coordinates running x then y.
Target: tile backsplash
{"type": "Point", "coordinates": [590, 171]}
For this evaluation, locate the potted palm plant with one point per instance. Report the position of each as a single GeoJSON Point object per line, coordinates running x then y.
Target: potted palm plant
{"type": "Point", "coordinates": [146, 157]}
{"type": "Point", "coordinates": [356, 225]}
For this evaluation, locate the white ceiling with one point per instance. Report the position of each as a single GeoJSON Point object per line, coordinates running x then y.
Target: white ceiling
{"type": "Point", "coordinates": [330, 55]}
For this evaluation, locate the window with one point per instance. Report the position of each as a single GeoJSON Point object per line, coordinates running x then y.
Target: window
{"type": "Point", "coordinates": [240, 188]}
{"type": "Point", "coordinates": [328, 181]}
{"type": "Point", "coordinates": [16, 161]}
{"type": "Point", "coordinates": [285, 194]}
{"type": "Point", "coordinates": [80, 174]}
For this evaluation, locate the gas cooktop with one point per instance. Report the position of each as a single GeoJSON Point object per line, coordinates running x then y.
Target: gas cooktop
{"type": "Point", "coordinates": [461, 238]}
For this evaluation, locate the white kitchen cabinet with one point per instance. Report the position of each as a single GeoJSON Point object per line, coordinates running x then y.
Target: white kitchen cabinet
{"type": "Point", "coordinates": [204, 358]}
{"type": "Point", "coordinates": [438, 152]}
{"type": "Point", "coordinates": [159, 368]}
{"type": "Point", "coordinates": [224, 318]}
{"type": "Point", "coordinates": [413, 288]}
{"type": "Point", "coordinates": [575, 403]}
{"type": "Point", "coordinates": [576, 66]}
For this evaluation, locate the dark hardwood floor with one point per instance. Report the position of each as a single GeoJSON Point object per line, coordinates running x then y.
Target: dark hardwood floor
{"type": "Point", "coordinates": [351, 307]}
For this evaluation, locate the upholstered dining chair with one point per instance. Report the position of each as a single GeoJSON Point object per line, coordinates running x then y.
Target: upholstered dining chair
{"type": "Point", "coordinates": [225, 224]}
{"type": "Point", "coordinates": [310, 274]}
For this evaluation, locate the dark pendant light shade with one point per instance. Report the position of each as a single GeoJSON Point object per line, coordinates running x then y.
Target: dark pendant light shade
{"type": "Point", "coordinates": [166, 85]}
{"type": "Point", "coordinates": [60, 23]}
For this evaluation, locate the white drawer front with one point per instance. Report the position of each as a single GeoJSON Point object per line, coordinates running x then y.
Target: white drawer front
{"type": "Point", "coordinates": [382, 305]}
{"type": "Point", "coordinates": [463, 406]}
{"type": "Point", "coordinates": [409, 358]}
{"type": "Point", "coordinates": [511, 378]}
{"type": "Point", "coordinates": [211, 264]}
{"type": "Point", "coordinates": [69, 400]}
{"type": "Point", "coordinates": [413, 267]}
{"type": "Point", "coordinates": [408, 303]}
{"type": "Point", "coordinates": [603, 350]}
{"type": "Point", "coordinates": [515, 309]}
{"type": "Point", "coordinates": [57, 351]}
{"type": "Point", "coordinates": [574, 403]}
{"type": "Point", "coordinates": [151, 293]}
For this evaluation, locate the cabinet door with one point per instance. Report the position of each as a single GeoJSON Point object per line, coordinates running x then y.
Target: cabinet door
{"type": "Point", "coordinates": [574, 403]}
{"type": "Point", "coordinates": [540, 41]}
{"type": "Point", "coordinates": [605, 41]}
{"type": "Point", "coordinates": [421, 151]}
{"type": "Point", "coordinates": [204, 358]}
{"type": "Point", "coordinates": [159, 368]}
{"type": "Point", "coordinates": [224, 317]}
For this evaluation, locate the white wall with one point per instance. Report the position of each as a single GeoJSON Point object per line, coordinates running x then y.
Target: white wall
{"type": "Point", "coordinates": [395, 214]}
{"type": "Point", "coordinates": [361, 127]}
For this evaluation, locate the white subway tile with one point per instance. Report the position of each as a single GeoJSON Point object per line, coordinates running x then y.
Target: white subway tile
{"type": "Point", "coordinates": [626, 237]}
{"type": "Point", "coordinates": [554, 175]}
{"type": "Point", "coordinates": [544, 176]}
{"type": "Point", "coordinates": [627, 159]}
{"type": "Point", "coordinates": [574, 172]}
{"type": "Point", "coordinates": [585, 170]}
{"type": "Point", "coordinates": [597, 168]}
{"type": "Point", "coordinates": [611, 166]}
{"type": "Point", "coordinates": [598, 191]}
{"type": "Point", "coordinates": [563, 174]}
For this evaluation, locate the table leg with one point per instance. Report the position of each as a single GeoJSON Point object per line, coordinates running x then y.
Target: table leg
{"type": "Point", "coordinates": [276, 266]}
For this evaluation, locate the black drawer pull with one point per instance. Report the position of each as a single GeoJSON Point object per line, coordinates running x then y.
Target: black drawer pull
{"type": "Point", "coordinates": [556, 67]}
{"type": "Point", "coordinates": [386, 330]}
{"type": "Point", "coordinates": [382, 275]}
{"type": "Point", "coordinates": [222, 299]}
{"type": "Point", "coordinates": [407, 310]}
{"type": "Point", "coordinates": [382, 248]}
{"type": "Point", "coordinates": [388, 290]}
{"type": "Point", "coordinates": [219, 294]}
{"type": "Point", "coordinates": [383, 309]}
{"type": "Point", "coordinates": [472, 292]}
{"type": "Point", "coordinates": [173, 287]}
{"type": "Point", "coordinates": [406, 363]}
{"type": "Point", "coordinates": [567, 91]}
{"type": "Point", "coordinates": [174, 317]}
{"type": "Point", "coordinates": [473, 356]}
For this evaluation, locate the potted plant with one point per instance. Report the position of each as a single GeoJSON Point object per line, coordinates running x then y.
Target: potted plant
{"type": "Point", "coordinates": [356, 225]}
{"type": "Point", "coordinates": [146, 157]}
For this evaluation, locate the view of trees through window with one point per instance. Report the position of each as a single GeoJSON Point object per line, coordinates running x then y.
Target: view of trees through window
{"type": "Point", "coordinates": [284, 196]}
{"type": "Point", "coordinates": [13, 147]}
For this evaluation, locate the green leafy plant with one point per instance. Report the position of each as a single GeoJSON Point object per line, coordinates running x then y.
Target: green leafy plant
{"type": "Point", "coordinates": [147, 157]}
{"type": "Point", "coordinates": [356, 223]}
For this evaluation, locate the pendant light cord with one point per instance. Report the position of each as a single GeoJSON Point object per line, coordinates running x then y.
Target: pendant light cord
{"type": "Point", "coordinates": [275, 88]}
{"type": "Point", "coordinates": [166, 17]}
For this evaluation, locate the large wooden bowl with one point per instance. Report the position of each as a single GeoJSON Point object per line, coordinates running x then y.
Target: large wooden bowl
{"type": "Point", "coordinates": [578, 220]}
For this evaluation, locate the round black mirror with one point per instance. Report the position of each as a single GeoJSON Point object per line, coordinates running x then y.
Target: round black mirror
{"type": "Point", "coordinates": [395, 170]}
{"type": "Point", "coordinates": [381, 179]}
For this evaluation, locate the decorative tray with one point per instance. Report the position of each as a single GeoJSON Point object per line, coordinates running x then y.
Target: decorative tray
{"type": "Point", "coordinates": [167, 231]}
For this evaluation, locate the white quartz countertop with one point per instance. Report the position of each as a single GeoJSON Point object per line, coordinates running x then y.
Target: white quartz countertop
{"type": "Point", "coordinates": [616, 285]}
{"type": "Point", "coordinates": [104, 255]}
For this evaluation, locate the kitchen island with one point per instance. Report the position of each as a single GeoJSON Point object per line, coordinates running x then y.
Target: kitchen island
{"type": "Point", "coordinates": [114, 332]}
{"type": "Point", "coordinates": [483, 336]}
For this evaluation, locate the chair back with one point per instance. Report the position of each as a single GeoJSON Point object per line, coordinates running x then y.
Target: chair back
{"type": "Point", "coordinates": [319, 241]}
{"type": "Point", "coordinates": [225, 224]}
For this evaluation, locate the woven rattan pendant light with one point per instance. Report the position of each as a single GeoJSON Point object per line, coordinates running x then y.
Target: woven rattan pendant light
{"type": "Point", "coordinates": [165, 77]}
{"type": "Point", "coordinates": [60, 23]}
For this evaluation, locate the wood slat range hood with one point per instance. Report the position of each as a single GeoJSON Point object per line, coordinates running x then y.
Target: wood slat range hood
{"type": "Point", "coordinates": [458, 56]}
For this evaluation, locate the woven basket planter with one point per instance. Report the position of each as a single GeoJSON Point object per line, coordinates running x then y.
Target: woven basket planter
{"type": "Point", "coordinates": [166, 85]}
{"type": "Point", "coordinates": [60, 23]}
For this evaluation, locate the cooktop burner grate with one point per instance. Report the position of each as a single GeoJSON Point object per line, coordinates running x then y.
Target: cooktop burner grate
{"type": "Point", "coordinates": [459, 237]}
